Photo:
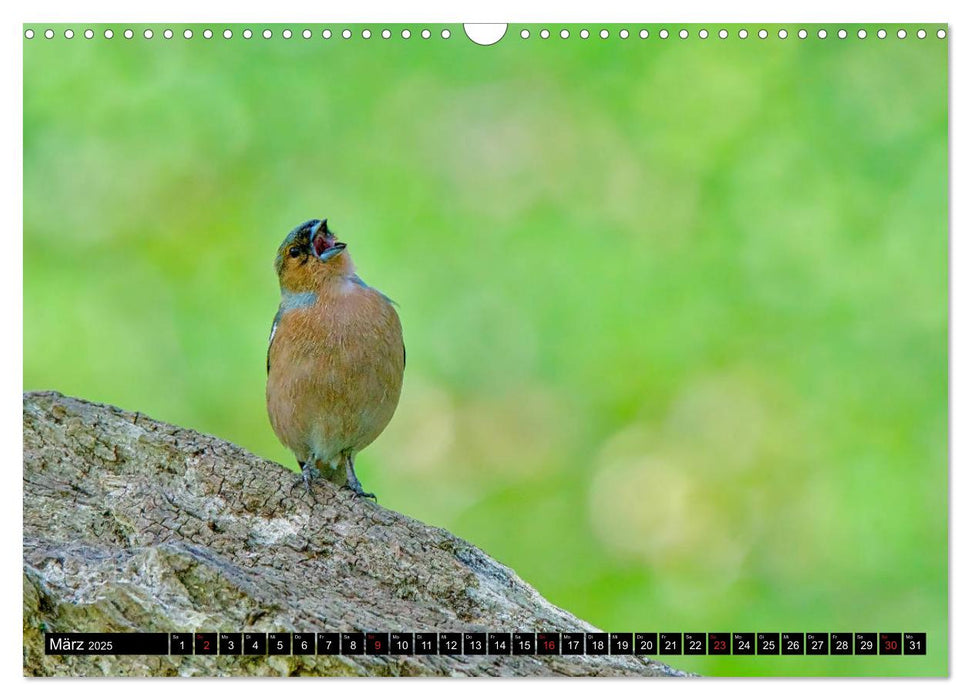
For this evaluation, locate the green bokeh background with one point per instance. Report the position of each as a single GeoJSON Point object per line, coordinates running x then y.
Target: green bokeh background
{"type": "Point", "coordinates": [675, 310]}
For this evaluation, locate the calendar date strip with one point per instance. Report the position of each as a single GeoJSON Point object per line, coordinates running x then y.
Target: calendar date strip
{"type": "Point", "coordinates": [487, 643]}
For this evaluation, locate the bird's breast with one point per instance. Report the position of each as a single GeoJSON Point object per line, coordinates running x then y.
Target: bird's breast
{"type": "Point", "coordinates": [336, 368]}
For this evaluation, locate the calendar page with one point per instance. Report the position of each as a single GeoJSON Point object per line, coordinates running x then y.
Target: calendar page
{"type": "Point", "coordinates": [422, 349]}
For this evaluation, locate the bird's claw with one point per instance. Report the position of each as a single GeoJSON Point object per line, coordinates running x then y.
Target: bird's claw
{"type": "Point", "coordinates": [307, 474]}
{"type": "Point", "coordinates": [357, 490]}
{"type": "Point", "coordinates": [353, 483]}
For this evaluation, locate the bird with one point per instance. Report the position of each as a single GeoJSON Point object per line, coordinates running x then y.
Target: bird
{"type": "Point", "coordinates": [336, 357]}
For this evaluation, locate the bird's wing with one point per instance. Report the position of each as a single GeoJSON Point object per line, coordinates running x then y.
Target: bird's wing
{"type": "Point", "coordinates": [276, 322]}
{"type": "Point", "coordinates": [361, 283]}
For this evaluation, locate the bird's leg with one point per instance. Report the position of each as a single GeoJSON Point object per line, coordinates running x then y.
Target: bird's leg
{"type": "Point", "coordinates": [307, 472]}
{"type": "Point", "coordinates": [352, 482]}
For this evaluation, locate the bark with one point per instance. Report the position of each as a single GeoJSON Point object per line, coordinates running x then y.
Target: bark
{"type": "Point", "coordinates": [132, 525]}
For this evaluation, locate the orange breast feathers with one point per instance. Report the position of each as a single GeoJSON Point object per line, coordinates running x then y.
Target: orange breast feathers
{"type": "Point", "coordinates": [335, 370]}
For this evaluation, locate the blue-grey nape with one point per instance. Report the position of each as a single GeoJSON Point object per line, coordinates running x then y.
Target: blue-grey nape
{"type": "Point", "coordinates": [296, 300]}
{"type": "Point", "coordinates": [304, 230]}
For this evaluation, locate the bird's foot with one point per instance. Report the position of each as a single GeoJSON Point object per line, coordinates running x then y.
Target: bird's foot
{"type": "Point", "coordinates": [307, 473]}
{"type": "Point", "coordinates": [355, 486]}
{"type": "Point", "coordinates": [352, 481]}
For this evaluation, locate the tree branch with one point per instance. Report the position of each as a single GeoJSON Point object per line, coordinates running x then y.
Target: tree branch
{"type": "Point", "coordinates": [135, 525]}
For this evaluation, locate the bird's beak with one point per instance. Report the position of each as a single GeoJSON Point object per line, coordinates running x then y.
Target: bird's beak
{"type": "Point", "coordinates": [333, 250]}
{"type": "Point", "coordinates": [323, 242]}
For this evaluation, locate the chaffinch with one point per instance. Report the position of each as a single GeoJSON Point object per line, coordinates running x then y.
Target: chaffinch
{"type": "Point", "coordinates": [336, 357]}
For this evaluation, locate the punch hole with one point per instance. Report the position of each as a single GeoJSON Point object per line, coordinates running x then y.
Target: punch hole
{"type": "Point", "coordinates": [49, 34]}
{"type": "Point", "coordinates": [267, 33]}
{"type": "Point", "coordinates": [405, 33]}
{"type": "Point", "coordinates": [902, 34]}
{"type": "Point", "coordinates": [882, 34]}
{"type": "Point", "coordinates": [722, 33]}
{"type": "Point", "coordinates": [68, 33]}
{"type": "Point", "coordinates": [385, 33]}
{"type": "Point", "coordinates": [604, 33]}
{"type": "Point", "coordinates": [346, 33]}
{"type": "Point", "coordinates": [485, 34]}
{"type": "Point", "coordinates": [446, 34]}
{"type": "Point", "coordinates": [307, 34]}
{"type": "Point", "coordinates": [326, 34]}
{"type": "Point", "coordinates": [109, 33]}
{"type": "Point", "coordinates": [584, 34]}
{"type": "Point", "coordinates": [821, 33]}
{"type": "Point", "coordinates": [524, 34]}
{"type": "Point", "coordinates": [703, 34]}
{"type": "Point", "coordinates": [663, 33]}
{"type": "Point", "coordinates": [366, 34]}
{"type": "Point", "coordinates": [763, 34]}
{"type": "Point", "coordinates": [89, 34]}
{"type": "Point", "coordinates": [129, 33]}
{"type": "Point", "coordinates": [148, 34]}
{"type": "Point", "coordinates": [207, 34]}
{"type": "Point", "coordinates": [227, 34]}
{"type": "Point", "coordinates": [941, 34]}
{"type": "Point", "coordinates": [742, 33]}
{"type": "Point", "coordinates": [921, 34]}
{"type": "Point", "coordinates": [861, 33]}
{"type": "Point", "coordinates": [783, 34]}
{"type": "Point", "coordinates": [545, 34]}
{"type": "Point", "coordinates": [644, 33]}
{"type": "Point", "coordinates": [247, 33]}
{"type": "Point", "coordinates": [624, 33]}
{"type": "Point", "coordinates": [29, 34]}
{"type": "Point", "coordinates": [803, 33]}
{"type": "Point", "coordinates": [287, 34]}
{"type": "Point", "coordinates": [683, 34]}
{"type": "Point", "coordinates": [167, 34]}
{"type": "Point", "coordinates": [425, 34]}
{"type": "Point", "coordinates": [841, 33]}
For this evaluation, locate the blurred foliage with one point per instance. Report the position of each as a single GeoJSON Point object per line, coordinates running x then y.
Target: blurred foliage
{"type": "Point", "coordinates": [676, 311]}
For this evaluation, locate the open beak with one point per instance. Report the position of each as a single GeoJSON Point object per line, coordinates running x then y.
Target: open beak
{"type": "Point", "coordinates": [323, 242]}
{"type": "Point", "coordinates": [328, 253]}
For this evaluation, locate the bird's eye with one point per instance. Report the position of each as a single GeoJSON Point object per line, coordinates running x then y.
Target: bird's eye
{"type": "Point", "coordinates": [294, 252]}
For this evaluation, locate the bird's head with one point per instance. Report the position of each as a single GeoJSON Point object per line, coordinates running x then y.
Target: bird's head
{"type": "Point", "coordinates": [309, 255]}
